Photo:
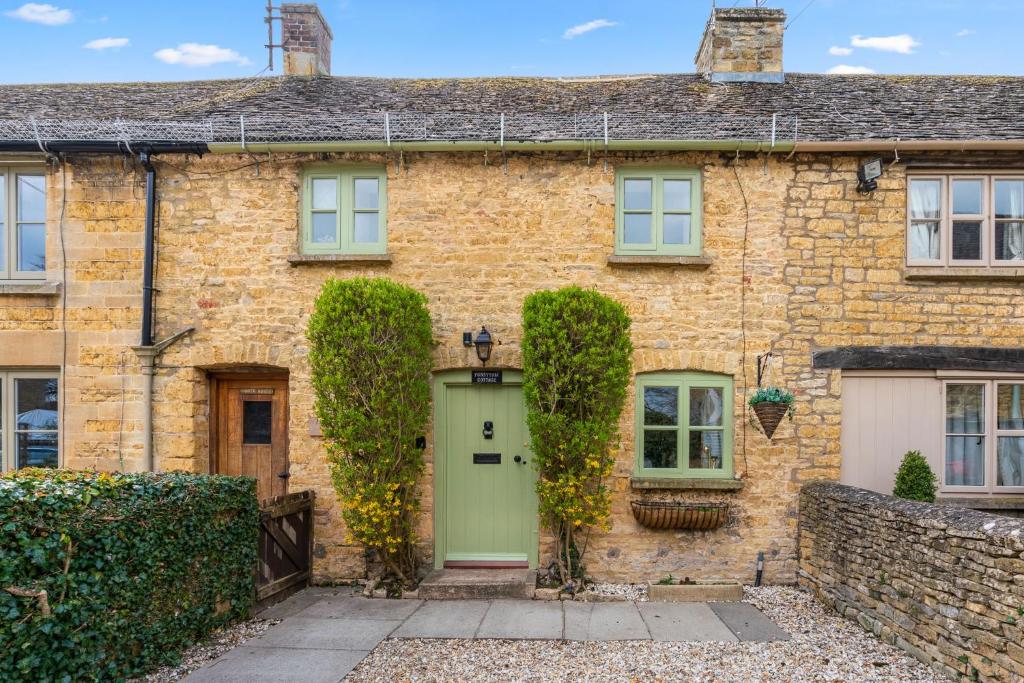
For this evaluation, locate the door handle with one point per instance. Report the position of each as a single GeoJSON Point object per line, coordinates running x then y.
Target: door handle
{"type": "Point", "coordinates": [284, 475]}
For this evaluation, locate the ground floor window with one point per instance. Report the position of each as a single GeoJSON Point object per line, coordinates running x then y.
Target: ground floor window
{"type": "Point", "coordinates": [684, 425]}
{"type": "Point", "coordinates": [984, 434]}
{"type": "Point", "coordinates": [29, 419]}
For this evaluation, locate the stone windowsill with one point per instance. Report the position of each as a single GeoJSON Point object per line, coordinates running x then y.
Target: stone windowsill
{"type": "Point", "coordinates": [995, 502]}
{"type": "Point", "coordinates": [41, 288]}
{"type": "Point", "coordinates": [990, 273]}
{"type": "Point", "coordinates": [339, 259]}
{"type": "Point", "coordinates": [692, 484]}
{"type": "Point", "coordinates": [694, 262]}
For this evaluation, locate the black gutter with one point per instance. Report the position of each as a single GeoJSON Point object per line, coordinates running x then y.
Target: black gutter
{"type": "Point", "coordinates": [104, 147]}
{"type": "Point", "coordinates": [147, 264]}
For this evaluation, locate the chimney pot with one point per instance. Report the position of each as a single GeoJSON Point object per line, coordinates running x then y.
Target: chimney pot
{"type": "Point", "coordinates": [742, 44]}
{"type": "Point", "coordinates": [305, 40]}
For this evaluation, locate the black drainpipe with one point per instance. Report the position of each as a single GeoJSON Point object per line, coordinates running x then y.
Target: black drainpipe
{"type": "Point", "coordinates": [147, 264]}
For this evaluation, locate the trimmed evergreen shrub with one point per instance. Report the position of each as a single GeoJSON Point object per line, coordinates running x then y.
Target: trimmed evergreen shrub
{"type": "Point", "coordinates": [370, 346]}
{"type": "Point", "coordinates": [576, 369]}
{"type": "Point", "coordinates": [105, 576]}
{"type": "Point", "coordinates": [915, 479]}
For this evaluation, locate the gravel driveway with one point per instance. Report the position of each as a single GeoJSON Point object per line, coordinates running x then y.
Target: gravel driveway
{"type": "Point", "coordinates": [824, 647]}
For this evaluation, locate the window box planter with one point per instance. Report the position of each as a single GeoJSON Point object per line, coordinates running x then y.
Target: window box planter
{"type": "Point", "coordinates": [695, 591]}
{"type": "Point", "coordinates": [679, 515]}
{"type": "Point", "coordinates": [770, 414]}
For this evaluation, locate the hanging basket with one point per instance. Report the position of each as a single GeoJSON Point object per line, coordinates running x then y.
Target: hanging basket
{"type": "Point", "coordinates": [675, 515]}
{"type": "Point", "coordinates": [770, 414]}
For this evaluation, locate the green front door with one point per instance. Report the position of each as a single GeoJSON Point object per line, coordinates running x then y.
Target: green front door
{"type": "Point", "coordinates": [487, 489]}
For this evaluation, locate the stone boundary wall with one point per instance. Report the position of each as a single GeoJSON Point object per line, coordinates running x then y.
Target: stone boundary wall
{"type": "Point", "coordinates": [945, 584]}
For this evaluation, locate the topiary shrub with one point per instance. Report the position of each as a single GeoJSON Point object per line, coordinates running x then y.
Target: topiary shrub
{"type": "Point", "coordinates": [370, 344]}
{"type": "Point", "coordinates": [915, 479]}
{"type": "Point", "coordinates": [106, 576]}
{"type": "Point", "coordinates": [576, 369]}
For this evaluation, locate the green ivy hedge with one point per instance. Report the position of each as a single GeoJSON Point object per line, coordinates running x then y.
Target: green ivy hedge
{"type": "Point", "coordinates": [134, 568]}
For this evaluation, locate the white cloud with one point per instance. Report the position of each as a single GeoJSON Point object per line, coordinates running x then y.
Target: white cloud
{"type": "Point", "coordinates": [904, 43]}
{"type": "Point", "coordinates": [580, 29]}
{"type": "Point", "coordinates": [964, 32]}
{"type": "Point", "coordinates": [846, 69]}
{"type": "Point", "coordinates": [839, 51]}
{"type": "Point", "coordinates": [106, 43]}
{"type": "Point", "coordinates": [41, 14]}
{"type": "Point", "coordinates": [195, 54]}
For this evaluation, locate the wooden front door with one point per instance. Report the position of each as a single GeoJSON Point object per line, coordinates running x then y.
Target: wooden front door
{"type": "Point", "coordinates": [250, 431]}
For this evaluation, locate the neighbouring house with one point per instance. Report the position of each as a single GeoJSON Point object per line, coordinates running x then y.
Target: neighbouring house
{"type": "Point", "coordinates": [161, 245]}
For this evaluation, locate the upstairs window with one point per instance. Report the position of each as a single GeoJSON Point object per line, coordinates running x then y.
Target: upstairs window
{"type": "Point", "coordinates": [22, 223]}
{"type": "Point", "coordinates": [966, 220]}
{"type": "Point", "coordinates": [684, 425]}
{"type": "Point", "coordinates": [658, 212]}
{"type": "Point", "coordinates": [344, 211]}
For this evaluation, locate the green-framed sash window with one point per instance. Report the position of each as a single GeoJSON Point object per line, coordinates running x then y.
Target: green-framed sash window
{"type": "Point", "coordinates": [684, 425]}
{"type": "Point", "coordinates": [658, 212]}
{"type": "Point", "coordinates": [344, 211]}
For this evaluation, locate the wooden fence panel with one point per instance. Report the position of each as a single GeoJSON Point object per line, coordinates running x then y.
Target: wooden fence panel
{"type": "Point", "coordinates": [286, 545]}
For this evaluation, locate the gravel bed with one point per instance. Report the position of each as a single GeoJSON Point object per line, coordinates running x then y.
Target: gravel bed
{"type": "Point", "coordinates": [824, 647]}
{"type": "Point", "coordinates": [210, 649]}
{"type": "Point", "coordinates": [630, 591]}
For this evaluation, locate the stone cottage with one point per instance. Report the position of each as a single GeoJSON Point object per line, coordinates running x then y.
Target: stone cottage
{"type": "Point", "coordinates": [858, 240]}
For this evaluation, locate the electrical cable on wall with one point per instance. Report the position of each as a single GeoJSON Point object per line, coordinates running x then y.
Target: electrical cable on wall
{"type": "Point", "coordinates": [63, 295]}
{"type": "Point", "coordinates": [743, 316]}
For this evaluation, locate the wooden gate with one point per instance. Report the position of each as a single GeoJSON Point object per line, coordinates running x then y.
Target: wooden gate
{"type": "Point", "coordinates": [286, 546]}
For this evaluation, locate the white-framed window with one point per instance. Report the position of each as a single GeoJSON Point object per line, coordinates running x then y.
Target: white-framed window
{"type": "Point", "coordinates": [965, 220]}
{"type": "Point", "coordinates": [29, 419]}
{"type": "Point", "coordinates": [983, 445]}
{"type": "Point", "coordinates": [22, 223]}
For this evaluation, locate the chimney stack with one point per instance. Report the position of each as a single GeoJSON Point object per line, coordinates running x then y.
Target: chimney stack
{"type": "Point", "coordinates": [742, 44]}
{"type": "Point", "coordinates": [305, 40]}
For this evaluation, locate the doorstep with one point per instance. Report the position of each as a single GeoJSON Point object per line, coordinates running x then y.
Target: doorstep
{"type": "Point", "coordinates": [478, 584]}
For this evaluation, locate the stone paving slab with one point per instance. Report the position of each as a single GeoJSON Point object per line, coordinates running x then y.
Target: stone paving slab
{"type": "Point", "coordinates": [604, 621]}
{"type": "Point", "coordinates": [300, 601]}
{"type": "Point", "coordinates": [747, 622]}
{"type": "Point", "coordinates": [352, 607]}
{"type": "Point", "coordinates": [326, 634]}
{"type": "Point", "coordinates": [444, 619]}
{"type": "Point", "coordinates": [279, 665]}
{"type": "Point", "coordinates": [522, 620]}
{"type": "Point", "coordinates": [684, 621]}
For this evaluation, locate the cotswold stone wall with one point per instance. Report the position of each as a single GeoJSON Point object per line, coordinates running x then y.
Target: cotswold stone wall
{"type": "Point", "coordinates": [946, 584]}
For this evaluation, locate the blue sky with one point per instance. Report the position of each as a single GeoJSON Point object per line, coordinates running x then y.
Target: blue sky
{"type": "Point", "coordinates": [160, 40]}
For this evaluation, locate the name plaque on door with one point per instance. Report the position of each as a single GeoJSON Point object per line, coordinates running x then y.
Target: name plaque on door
{"type": "Point", "coordinates": [486, 376]}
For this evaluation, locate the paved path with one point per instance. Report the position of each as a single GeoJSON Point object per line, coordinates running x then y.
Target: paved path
{"type": "Point", "coordinates": [325, 633]}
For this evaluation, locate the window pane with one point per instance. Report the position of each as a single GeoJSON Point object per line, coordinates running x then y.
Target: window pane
{"type": "Point", "coordinates": [706, 450]}
{"type": "Point", "coordinates": [325, 228]}
{"type": "Point", "coordinates": [924, 241]}
{"type": "Point", "coordinates": [677, 195]}
{"type": "Point", "coordinates": [1010, 199]}
{"type": "Point", "coordinates": [706, 406]}
{"type": "Point", "coordinates": [366, 227]}
{"type": "Point", "coordinates": [637, 195]}
{"type": "Point", "coordinates": [636, 228]}
{"type": "Point", "coordinates": [965, 408]}
{"type": "Point", "coordinates": [36, 402]}
{"type": "Point", "coordinates": [367, 193]}
{"type": "Point", "coordinates": [32, 247]}
{"type": "Point", "coordinates": [3, 220]}
{"type": "Point", "coordinates": [661, 406]}
{"type": "Point", "coordinates": [1010, 240]}
{"type": "Point", "coordinates": [925, 198]}
{"type": "Point", "coordinates": [36, 449]}
{"type": "Point", "coordinates": [966, 240]}
{"type": "Point", "coordinates": [965, 460]}
{"type": "Point", "coordinates": [660, 448]}
{"type": "Point", "coordinates": [31, 198]}
{"type": "Point", "coordinates": [256, 422]}
{"type": "Point", "coordinates": [677, 228]}
{"type": "Point", "coordinates": [1010, 406]}
{"type": "Point", "coordinates": [967, 196]}
{"type": "Point", "coordinates": [325, 193]}
{"type": "Point", "coordinates": [1010, 461]}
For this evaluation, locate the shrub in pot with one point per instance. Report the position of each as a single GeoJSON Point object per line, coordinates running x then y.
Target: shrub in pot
{"type": "Point", "coordinates": [915, 479]}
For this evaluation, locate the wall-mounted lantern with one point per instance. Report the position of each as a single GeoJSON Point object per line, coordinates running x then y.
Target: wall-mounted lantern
{"type": "Point", "coordinates": [483, 344]}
